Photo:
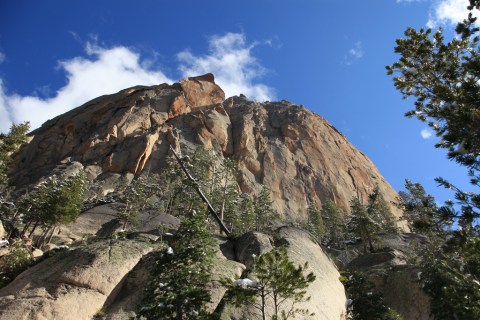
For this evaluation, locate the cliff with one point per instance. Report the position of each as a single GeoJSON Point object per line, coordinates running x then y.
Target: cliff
{"type": "Point", "coordinates": [294, 152]}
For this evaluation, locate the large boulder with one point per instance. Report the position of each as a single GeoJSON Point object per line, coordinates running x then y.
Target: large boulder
{"type": "Point", "coordinates": [326, 292]}
{"type": "Point", "coordinates": [71, 285]}
{"type": "Point", "coordinates": [389, 270]}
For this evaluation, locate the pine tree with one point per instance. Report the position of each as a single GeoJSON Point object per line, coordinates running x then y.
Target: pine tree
{"type": "Point", "coordinates": [135, 196]}
{"type": "Point", "coordinates": [367, 220]}
{"type": "Point", "coordinates": [276, 279]}
{"type": "Point", "coordinates": [334, 224]}
{"type": "Point", "coordinates": [263, 210]}
{"type": "Point", "coordinates": [53, 202]}
{"type": "Point", "coordinates": [442, 76]}
{"type": "Point", "coordinates": [10, 143]}
{"type": "Point", "coordinates": [315, 222]}
{"type": "Point", "coordinates": [364, 303]}
{"type": "Point", "coordinates": [362, 224]}
{"type": "Point", "coordinates": [379, 209]}
{"type": "Point", "coordinates": [225, 193]}
{"type": "Point", "coordinates": [182, 272]}
{"type": "Point", "coordinates": [420, 209]}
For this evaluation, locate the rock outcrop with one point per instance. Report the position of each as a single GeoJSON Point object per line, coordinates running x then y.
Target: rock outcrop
{"type": "Point", "coordinates": [389, 270]}
{"type": "Point", "coordinates": [71, 285]}
{"type": "Point", "coordinates": [327, 295]}
{"type": "Point", "coordinates": [294, 152]}
{"type": "Point", "coordinates": [109, 277]}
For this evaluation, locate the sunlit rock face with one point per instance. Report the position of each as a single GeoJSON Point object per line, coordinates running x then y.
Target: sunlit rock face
{"type": "Point", "coordinates": [295, 153]}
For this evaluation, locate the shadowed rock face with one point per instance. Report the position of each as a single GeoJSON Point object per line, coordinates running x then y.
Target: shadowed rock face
{"type": "Point", "coordinates": [295, 153]}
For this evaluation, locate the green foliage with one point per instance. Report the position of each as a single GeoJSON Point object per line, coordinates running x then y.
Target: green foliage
{"type": "Point", "coordinates": [135, 196]}
{"type": "Point", "coordinates": [263, 210]}
{"type": "Point", "coordinates": [183, 270]}
{"type": "Point", "coordinates": [14, 263]}
{"type": "Point", "coordinates": [55, 201]}
{"type": "Point", "coordinates": [367, 220]}
{"type": "Point", "coordinates": [378, 208]}
{"type": "Point", "coordinates": [334, 224]}
{"type": "Point", "coordinates": [443, 76]}
{"type": "Point", "coordinates": [162, 229]}
{"type": "Point", "coordinates": [315, 222]}
{"type": "Point", "coordinates": [450, 278]}
{"type": "Point", "coordinates": [276, 280]}
{"type": "Point", "coordinates": [179, 193]}
{"type": "Point", "coordinates": [361, 224]}
{"type": "Point", "coordinates": [225, 194]}
{"type": "Point", "coordinates": [364, 303]}
{"type": "Point", "coordinates": [10, 143]}
{"type": "Point", "coordinates": [420, 209]}
{"type": "Point", "coordinates": [246, 218]}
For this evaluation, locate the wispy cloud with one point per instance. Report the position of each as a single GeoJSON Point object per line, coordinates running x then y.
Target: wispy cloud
{"type": "Point", "coordinates": [230, 58]}
{"type": "Point", "coordinates": [448, 12]}
{"type": "Point", "coordinates": [2, 57]}
{"type": "Point", "coordinates": [103, 71]}
{"type": "Point", "coordinates": [426, 133]}
{"type": "Point", "coordinates": [108, 70]}
{"type": "Point", "coordinates": [355, 53]}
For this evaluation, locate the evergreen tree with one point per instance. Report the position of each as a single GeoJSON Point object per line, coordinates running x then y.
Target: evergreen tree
{"type": "Point", "coordinates": [225, 193]}
{"type": "Point", "coordinates": [315, 222]}
{"type": "Point", "coordinates": [53, 202]}
{"type": "Point", "coordinates": [276, 279]}
{"type": "Point", "coordinates": [10, 143]}
{"type": "Point", "coordinates": [367, 220]}
{"type": "Point", "coordinates": [263, 210]}
{"type": "Point", "coordinates": [135, 196]}
{"type": "Point", "coordinates": [245, 218]}
{"type": "Point", "coordinates": [420, 209]}
{"type": "Point", "coordinates": [364, 303]}
{"type": "Point", "coordinates": [379, 209]}
{"type": "Point", "coordinates": [334, 224]}
{"type": "Point", "coordinates": [182, 272]}
{"type": "Point", "coordinates": [361, 224]}
{"type": "Point", "coordinates": [443, 78]}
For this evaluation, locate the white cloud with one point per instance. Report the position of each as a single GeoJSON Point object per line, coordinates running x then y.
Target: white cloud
{"type": "Point", "coordinates": [2, 57]}
{"type": "Point", "coordinates": [354, 53]}
{"type": "Point", "coordinates": [357, 51]}
{"type": "Point", "coordinates": [448, 12]}
{"type": "Point", "coordinates": [426, 133]}
{"type": "Point", "coordinates": [108, 70]}
{"type": "Point", "coordinates": [104, 71]}
{"type": "Point", "coordinates": [230, 59]}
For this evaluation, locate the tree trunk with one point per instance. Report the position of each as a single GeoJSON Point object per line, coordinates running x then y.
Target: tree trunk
{"type": "Point", "coordinates": [264, 315]}
{"type": "Point", "coordinates": [202, 196]}
{"type": "Point", "coordinates": [33, 229]}
{"type": "Point", "coordinates": [25, 228]}
{"type": "Point", "coordinates": [51, 234]}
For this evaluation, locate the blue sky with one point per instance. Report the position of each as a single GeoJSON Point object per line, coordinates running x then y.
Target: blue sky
{"type": "Point", "coordinates": [328, 55]}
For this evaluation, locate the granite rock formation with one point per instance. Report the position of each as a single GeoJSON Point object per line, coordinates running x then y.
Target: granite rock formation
{"type": "Point", "coordinates": [294, 152]}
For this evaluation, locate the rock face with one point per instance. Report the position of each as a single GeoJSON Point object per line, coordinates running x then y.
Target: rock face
{"type": "Point", "coordinates": [72, 285]}
{"type": "Point", "coordinates": [389, 270]}
{"type": "Point", "coordinates": [297, 154]}
{"type": "Point", "coordinates": [109, 277]}
{"type": "Point", "coordinates": [326, 292]}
